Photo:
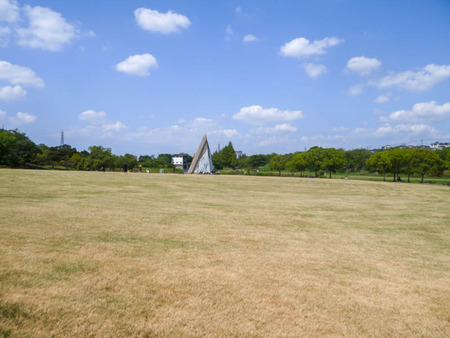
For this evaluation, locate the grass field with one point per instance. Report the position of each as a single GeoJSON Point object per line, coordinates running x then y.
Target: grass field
{"type": "Point", "coordinates": [113, 254]}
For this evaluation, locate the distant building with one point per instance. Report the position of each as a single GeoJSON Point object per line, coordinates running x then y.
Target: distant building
{"type": "Point", "coordinates": [439, 146]}
{"type": "Point", "coordinates": [238, 153]}
{"type": "Point", "coordinates": [180, 161]}
{"type": "Point", "coordinates": [386, 147]}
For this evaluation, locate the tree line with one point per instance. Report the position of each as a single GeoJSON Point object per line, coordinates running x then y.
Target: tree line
{"type": "Point", "coordinates": [317, 160]}
{"type": "Point", "coordinates": [17, 150]}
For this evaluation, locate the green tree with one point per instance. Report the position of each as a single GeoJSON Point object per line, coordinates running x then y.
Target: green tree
{"type": "Point", "coordinates": [397, 157]}
{"type": "Point", "coordinates": [98, 157]}
{"type": "Point", "coordinates": [408, 162]}
{"type": "Point", "coordinates": [332, 160]}
{"type": "Point", "coordinates": [217, 160]}
{"type": "Point", "coordinates": [356, 159]}
{"type": "Point", "coordinates": [427, 161]}
{"type": "Point", "coordinates": [298, 163]}
{"type": "Point", "coordinates": [314, 159]}
{"type": "Point", "coordinates": [228, 156]}
{"type": "Point", "coordinates": [16, 149]}
{"type": "Point", "coordinates": [164, 160]}
{"type": "Point", "coordinates": [278, 163]}
{"type": "Point", "coordinates": [380, 162]}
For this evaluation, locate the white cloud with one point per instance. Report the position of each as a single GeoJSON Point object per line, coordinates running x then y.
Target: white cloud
{"type": "Point", "coordinates": [415, 81]}
{"type": "Point", "coordinates": [420, 112]}
{"type": "Point", "coordinates": [229, 33]}
{"type": "Point", "coordinates": [339, 129]}
{"type": "Point", "coordinates": [356, 90]}
{"type": "Point", "coordinates": [9, 11]}
{"type": "Point", "coordinates": [20, 75]}
{"type": "Point", "coordinates": [9, 93]}
{"type": "Point", "coordinates": [302, 47]}
{"type": "Point", "coordinates": [5, 33]}
{"type": "Point", "coordinates": [249, 38]}
{"type": "Point", "coordinates": [382, 99]}
{"type": "Point", "coordinates": [92, 116]}
{"type": "Point", "coordinates": [229, 133]}
{"type": "Point", "coordinates": [315, 70]}
{"type": "Point", "coordinates": [98, 125]}
{"type": "Point", "coordinates": [22, 118]}
{"type": "Point", "coordinates": [2, 114]}
{"type": "Point", "coordinates": [277, 140]}
{"type": "Point", "coordinates": [47, 29]}
{"type": "Point", "coordinates": [117, 126]}
{"type": "Point", "coordinates": [202, 121]}
{"type": "Point", "coordinates": [284, 127]}
{"type": "Point", "coordinates": [258, 115]}
{"type": "Point", "coordinates": [405, 129]}
{"type": "Point", "coordinates": [156, 22]}
{"type": "Point", "coordinates": [362, 65]}
{"type": "Point", "coordinates": [138, 64]}
{"type": "Point", "coordinates": [278, 129]}
{"type": "Point", "coordinates": [238, 9]}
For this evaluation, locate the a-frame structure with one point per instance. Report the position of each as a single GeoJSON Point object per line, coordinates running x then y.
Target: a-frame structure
{"type": "Point", "coordinates": [202, 162]}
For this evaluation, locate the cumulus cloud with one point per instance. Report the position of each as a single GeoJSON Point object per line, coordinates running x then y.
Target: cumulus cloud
{"type": "Point", "coordinates": [420, 112]}
{"type": "Point", "coordinates": [382, 99]}
{"type": "Point", "coordinates": [9, 93]}
{"type": "Point", "coordinates": [314, 70]}
{"type": "Point", "coordinates": [362, 65]}
{"type": "Point", "coordinates": [46, 29]}
{"type": "Point", "coordinates": [258, 115]}
{"type": "Point", "coordinates": [92, 116]}
{"type": "Point", "coordinates": [156, 22]}
{"type": "Point", "coordinates": [422, 80]}
{"type": "Point", "coordinates": [138, 64]}
{"type": "Point", "coordinates": [249, 38]}
{"type": "Point", "coordinates": [23, 118]}
{"type": "Point", "coordinates": [19, 75]}
{"type": "Point", "coordinates": [302, 47]}
{"type": "Point", "coordinates": [9, 11]}
{"type": "Point", "coordinates": [2, 114]}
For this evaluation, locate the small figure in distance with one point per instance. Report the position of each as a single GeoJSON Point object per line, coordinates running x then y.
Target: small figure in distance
{"type": "Point", "coordinates": [103, 167]}
{"type": "Point", "coordinates": [125, 168]}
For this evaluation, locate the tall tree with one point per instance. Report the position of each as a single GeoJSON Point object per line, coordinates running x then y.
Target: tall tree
{"type": "Point", "coordinates": [314, 158]}
{"type": "Point", "coordinates": [298, 163]}
{"type": "Point", "coordinates": [356, 159]}
{"type": "Point", "coordinates": [332, 160]}
{"type": "Point", "coordinates": [16, 149]}
{"type": "Point", "coordinates": [278, 163]}
{"type": "Point", "coordinates": [427, 161]}
{"type": "Point", "coordinates": [380, 162]}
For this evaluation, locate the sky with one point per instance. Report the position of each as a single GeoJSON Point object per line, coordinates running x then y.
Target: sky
{"type": "Point", "coordinates": [150, 77]}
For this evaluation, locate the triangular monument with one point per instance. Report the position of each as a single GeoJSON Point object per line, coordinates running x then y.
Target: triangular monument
{"type": "Point", "coordinates": [202, 162]}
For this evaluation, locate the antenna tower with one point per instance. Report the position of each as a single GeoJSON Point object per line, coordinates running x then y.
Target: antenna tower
{"type": "Point", "coordinates": [62, 137]}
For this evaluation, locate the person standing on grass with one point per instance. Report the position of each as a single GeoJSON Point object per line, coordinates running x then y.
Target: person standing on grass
{"type": "Point", "coordinates": [125, 168]}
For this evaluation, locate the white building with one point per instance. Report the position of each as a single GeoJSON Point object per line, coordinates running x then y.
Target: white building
{"type": "Point", "coordinates": [439, 146]}
{"type": "Point", "coordinates": [180, 161]}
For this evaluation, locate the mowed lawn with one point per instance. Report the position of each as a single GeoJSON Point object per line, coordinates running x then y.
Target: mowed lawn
{"type": "Point", "coordinates": [113, 254]}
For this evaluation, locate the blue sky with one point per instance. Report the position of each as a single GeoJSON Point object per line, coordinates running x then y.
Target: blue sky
{"type": "Point", "coordinates": [150, 77]}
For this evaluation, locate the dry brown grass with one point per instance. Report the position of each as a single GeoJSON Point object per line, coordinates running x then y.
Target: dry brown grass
{"type": "Point", "coordinates": [109, 254]}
